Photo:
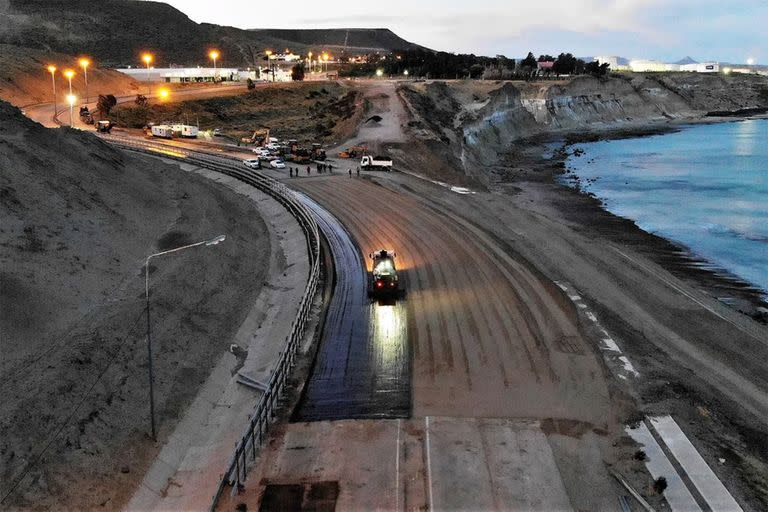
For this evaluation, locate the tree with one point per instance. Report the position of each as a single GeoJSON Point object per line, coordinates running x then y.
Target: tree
{"type": "Point", "coordinates": [141, 101]}
{"type": "Point", "coordinates": [250, 84]}
{"type": "Point", "coordinates": [529, 61]}
{"type": "Point", "coordinates": [596, 69]}
{"type": "Point", "coordinates": [105, 104]}
{"type": "Point", "coordinates": [297, 72]}
{"type": "Point", "coordinates": [546, 58]}
{"type": "Point", "coordinates": [565, 64]}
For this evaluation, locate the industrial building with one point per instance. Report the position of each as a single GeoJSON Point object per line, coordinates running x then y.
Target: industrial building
{"type": "Point", "coordinates": [187, 75]}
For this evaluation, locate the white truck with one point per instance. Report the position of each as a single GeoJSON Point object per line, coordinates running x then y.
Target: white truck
{"type": "Point", "coordinates": [376, 162]}
{"type": "Point", "coordinates": [185, 130]}
{"type": "Point", "coordinates": [162, 131]}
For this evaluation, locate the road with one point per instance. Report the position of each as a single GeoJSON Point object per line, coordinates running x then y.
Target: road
{"type": "Point", "coordinates": [361, 369]}
{"type": "Point", "coordinates": [43, 112]}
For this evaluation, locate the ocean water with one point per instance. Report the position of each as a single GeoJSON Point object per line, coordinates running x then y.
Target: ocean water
{"type": "Point", "coordinates": [705, 186]}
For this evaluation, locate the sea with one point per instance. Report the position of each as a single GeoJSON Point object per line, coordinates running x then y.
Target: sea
{"type": "Point", "coordinates": [705, 187]}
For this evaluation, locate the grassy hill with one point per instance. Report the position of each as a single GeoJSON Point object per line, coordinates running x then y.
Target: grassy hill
{"type": "Point", "coordinates": [116, 31]}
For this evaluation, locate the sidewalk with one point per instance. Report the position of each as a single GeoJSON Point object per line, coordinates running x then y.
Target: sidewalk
{"type": "Point", "coordinates": [186, 473]}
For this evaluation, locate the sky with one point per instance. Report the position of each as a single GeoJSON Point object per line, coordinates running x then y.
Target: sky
{"type": "Point", "coordinates": [667, 30]}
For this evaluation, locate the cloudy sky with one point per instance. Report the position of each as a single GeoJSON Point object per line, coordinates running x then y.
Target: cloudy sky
{"type": "Point", "coordinates": [722, 30]}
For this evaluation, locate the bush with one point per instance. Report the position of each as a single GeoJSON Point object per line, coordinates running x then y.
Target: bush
{"type": "Point", "coordinates": [250, 84]}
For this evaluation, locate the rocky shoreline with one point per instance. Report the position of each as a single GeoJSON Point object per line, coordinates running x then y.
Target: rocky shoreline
{"type": "Point", "coordinates": [590, 213]}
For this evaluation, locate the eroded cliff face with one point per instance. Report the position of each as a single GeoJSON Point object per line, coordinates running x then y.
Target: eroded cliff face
{"type": "Point", "coordinates": [479, 120]}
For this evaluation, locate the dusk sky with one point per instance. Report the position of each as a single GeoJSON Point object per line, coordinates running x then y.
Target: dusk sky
{"type": "Point", "coordinates": [667, 30]}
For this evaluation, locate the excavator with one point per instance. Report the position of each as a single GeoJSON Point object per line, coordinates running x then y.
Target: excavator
{"type": "Point", "coordinates": [260, 137]}
{"type": "Point", "coordinates": [353, 152]}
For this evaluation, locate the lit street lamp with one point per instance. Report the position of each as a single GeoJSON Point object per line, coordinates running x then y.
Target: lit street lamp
{"type": "Point", "coordinates": [84, 63]}
{"type": "Point", "coordinates": [214, 55]}
{"type": "Point", "coordinates": [164, 94]}
{"type": "Point", "coordinates": [269, 55]}
{"type": "Point", "coordinates": [52, 71]}
{"type": "Point", "coordinates": [69, 74]}
{"type": "Point", "coordinates": [207, 243]}
{"type": "Point", "coordinates": [71, 99]}
{"type": "Point", "coordinates": [148, 58]}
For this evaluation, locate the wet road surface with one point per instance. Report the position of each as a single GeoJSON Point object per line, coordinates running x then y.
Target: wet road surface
{"type": "Point", "coordinates": [362, 367]}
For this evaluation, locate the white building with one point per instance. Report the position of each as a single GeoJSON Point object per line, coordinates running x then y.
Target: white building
{"type": "Point", "coordinates": [654, 66]}
{"type": "Point", "coordinates": [612, 61]}
{"type": "Point", "coordinates": [172, 75]}
{"type": "Point", "coordinates": [702, 67]}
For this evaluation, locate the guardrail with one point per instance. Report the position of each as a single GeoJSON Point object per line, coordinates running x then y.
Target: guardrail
{"type": "Point", "coordinates": [264, 411]}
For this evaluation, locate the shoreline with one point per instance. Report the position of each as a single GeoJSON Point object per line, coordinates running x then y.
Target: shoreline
{"type": "Point", "coordinates": [548, 154]}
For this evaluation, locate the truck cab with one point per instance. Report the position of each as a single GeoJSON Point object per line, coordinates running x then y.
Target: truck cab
{"type": "Point", "coordinates": [384, 279]}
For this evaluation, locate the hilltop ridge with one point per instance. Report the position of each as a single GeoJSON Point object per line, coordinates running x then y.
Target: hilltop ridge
{"type": "Point", "coordinates": [116, 31]}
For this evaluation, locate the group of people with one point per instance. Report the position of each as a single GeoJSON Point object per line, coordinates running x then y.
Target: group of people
{"type": "Point", "coordinates": [321, 168]}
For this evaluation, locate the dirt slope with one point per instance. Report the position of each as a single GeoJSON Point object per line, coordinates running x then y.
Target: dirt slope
{"type": "Point", "coordinates": [77, 220]}
{"type": "Point", "coordinates": [24, 79]}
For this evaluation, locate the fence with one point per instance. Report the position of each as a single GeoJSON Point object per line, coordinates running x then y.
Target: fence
{"type": "Point", "coordinates": [254, 435]}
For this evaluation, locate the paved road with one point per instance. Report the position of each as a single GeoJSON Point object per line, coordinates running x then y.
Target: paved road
{"type": "Point", "coordinates": [361, 369]}
{"type": "Point", "coordinates": [489, 337]}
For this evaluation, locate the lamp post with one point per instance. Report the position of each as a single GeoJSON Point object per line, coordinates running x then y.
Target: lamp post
{"type": "Point", "coordinates": [268, 53]}
{"type": "Point", "coordinates": [71, 99]}
{"type": "Point", "coordinates": [52, 71]}
{"type": "Point", "coordinates": [309, 62]}
{"type": "Point", "coordinates": [214, 55]}
{"type": "Point", "coordinates": [148, 58]}
{"type": "Point", "coordinates": [69, 74]}
{"type": "Point", "coordinates": [213, 241]}
{"type": "Point", "coordinates": [84, 63]}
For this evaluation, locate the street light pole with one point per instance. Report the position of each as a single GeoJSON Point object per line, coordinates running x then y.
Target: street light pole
{"type": "Point", "coordinates": [52, 71]}
{"type": "Point", "coordinates": [213, 241]}
{"type": "Point", "coordinates": [84, 63]}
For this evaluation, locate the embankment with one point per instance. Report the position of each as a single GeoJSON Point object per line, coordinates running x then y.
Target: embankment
{"type": "Point", "coordinates": [478, 123]}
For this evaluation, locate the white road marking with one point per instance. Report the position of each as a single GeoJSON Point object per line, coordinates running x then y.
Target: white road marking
{"type": "Point", "coordinates": [709, 486]}
{"type": "Point", "coordinates": [609, 344]}
{"type": "Point", "coordinates": [397, 468]}
{"type": "Point", "coordinates": [685, 293]}
{"type": "Point", "coordinates": [677, 494]}
{"type": "Point", "coordinates": [429, 467]}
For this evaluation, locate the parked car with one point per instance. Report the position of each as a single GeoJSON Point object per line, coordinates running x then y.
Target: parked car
{"type": "Point", "coordinates": [261, 151]}
{"type": "Point", "coordinates": [273, 146]}
{"type": "Point", "coordinates": [253, 163]}
{"type": "Point", "coordinates": [277, 164]}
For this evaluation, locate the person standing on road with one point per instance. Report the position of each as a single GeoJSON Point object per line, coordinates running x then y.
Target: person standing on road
{"type": "Point", "coordinates": [290, 172]}
{"type": "Point", "coordinates": [358, 171]}
{"type": "Point", "coordinates": [350, 173]}
{"type": "Point", "coordinates": [308, 170]}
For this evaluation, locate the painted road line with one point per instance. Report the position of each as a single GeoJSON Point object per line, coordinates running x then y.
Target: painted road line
{"type": "Point", "coordinates": [677, 494]}
{"type": "Point", "coordinates": [612, 354]}
{"type": "Point", "coordinates": [397, 468]}
{"type": "Point", "coordinates": [709, 486]}
{"type": "Point", "coordinates": [429, 467]}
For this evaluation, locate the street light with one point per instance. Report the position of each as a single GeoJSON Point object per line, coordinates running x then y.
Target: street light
{"type": "Point", "coordinates": [71, 99]}
{"type": "Point", "coordinates": [405, 72]}
{"type": "Point", "coordinates": [208, 243]}
{"type": "Point", "coordinates": [52, 70]}
{"type": "Point", "coordinates": [164, 94]}
{"type": "Point", "coordinates": [269, 55]}
{"type": "Point", "coordinates": [214, 54]}
{"type": "Point", "coordinates": [379, 72]}
{"type": "Point", "coordinates": [84, 63]}
{"type": "Point", "coordinates": [148, 58]}
{"type": "Point", "coordinates": [69, 74]}
{"type": "Point", "coordinates": [309, 58]}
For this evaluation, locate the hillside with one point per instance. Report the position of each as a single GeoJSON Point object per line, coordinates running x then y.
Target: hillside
{"type": "Point", "coordinates": [78, 220]}
{"type": "Point", "coordinates": [116, 31]}
{"type": "Point", "coordinates": [24, 79]}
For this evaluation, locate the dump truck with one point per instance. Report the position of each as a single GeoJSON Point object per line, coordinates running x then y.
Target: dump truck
{"type": "Point", "coordinates": [376, 162]}
{"type": "Point", "coordinates": [384, 280]}
{"type": "Point", "coordinates": [318, 153]}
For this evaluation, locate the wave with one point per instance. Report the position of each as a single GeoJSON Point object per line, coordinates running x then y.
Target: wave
{"type": "Point", "coordinates": [725, 231]}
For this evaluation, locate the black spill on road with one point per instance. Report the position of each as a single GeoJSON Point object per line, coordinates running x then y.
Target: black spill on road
{"type": "Point", "coordinates": [362, 366]}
